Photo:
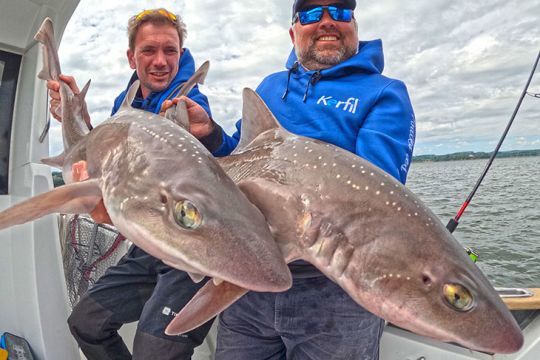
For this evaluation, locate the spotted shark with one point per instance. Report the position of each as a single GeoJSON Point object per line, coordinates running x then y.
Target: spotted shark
{"type": "Point", "coordinates": [362, 229]}
{"type": "Point", "coordinates": [161, 188]}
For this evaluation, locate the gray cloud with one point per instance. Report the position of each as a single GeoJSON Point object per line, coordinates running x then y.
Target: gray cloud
{"type": "Point", "coordinates": [465, 63]}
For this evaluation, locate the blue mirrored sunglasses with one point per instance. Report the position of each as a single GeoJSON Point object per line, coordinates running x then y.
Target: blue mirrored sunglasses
{"type": "Point", "coordinates": [315, 14]}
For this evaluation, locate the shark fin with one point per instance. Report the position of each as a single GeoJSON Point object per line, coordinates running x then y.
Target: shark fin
{"type": "Point", "coordinates": [82, 93]}
{"type": "Point", "coordinates": [197, 278]}
{"type": "Point", "coordinates": [178, 114]}
{"type": "Point", "coordinates": [197, 78]}
{"type": "Point", "coordinates": [209, 301]}
{"type": "Point", "coordinates": [276, 202]}
{"type": "Point", "coordinates": [74, 111]}
{"type": "Point", "coordinates": [256, 119]}
{"type": "Point", "coordinates": [55, 161]}
{"type": "Point", "coordinates": [84, 110]}
{"type": "Point", "coordinates": [51, 65]}
{"type": "Point", "coordinates": [130, 95]}
{"type": "Point", "coordinates": [77, 198]}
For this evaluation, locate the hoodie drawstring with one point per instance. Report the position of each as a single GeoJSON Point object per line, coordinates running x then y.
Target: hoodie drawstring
{"type": "Point", "coordinates": [291, 70]}
{"type": "Point", "coordinates": [315, 77]}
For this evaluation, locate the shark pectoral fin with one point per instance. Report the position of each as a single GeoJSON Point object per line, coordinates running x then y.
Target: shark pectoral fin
{"type": "Point", "coordinates": [279, 204]}
{"type": "Point", "coordinates": [130, 95]}
{"type": "Point", "coordinates": [76, 198]}
{"type": "Point", "coordinates": [256, 119]}
{"type": "Point", "coordinates": [197, 278]}
{"type": "Point", "coordinates": [55, 161]}
{"type": "Point", "coordinates": [208, 302]}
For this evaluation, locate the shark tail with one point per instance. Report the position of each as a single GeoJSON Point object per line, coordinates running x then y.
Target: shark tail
{"type": "Point", "coordinates": [51, 64]}
{"type": "Point", "coordinates": [55, 161]}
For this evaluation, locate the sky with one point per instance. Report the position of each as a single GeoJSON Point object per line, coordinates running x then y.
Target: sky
{"type": "Point", "coordinates": [465, 63]}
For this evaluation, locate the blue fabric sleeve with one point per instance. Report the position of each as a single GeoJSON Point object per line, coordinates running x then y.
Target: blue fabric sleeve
{"type": "Point", "coordinates": [387, 135]}
{"type": "Point", "coordinates": [229, 143]}
{"type": "Point", "coordinates": [118, 102]}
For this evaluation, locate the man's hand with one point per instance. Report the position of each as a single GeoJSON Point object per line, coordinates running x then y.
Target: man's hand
{"type": "Point", "coordinates": [200, 124]}
{"type": "Point", "coordinates": [54, 93]}
{"type": "Point", "coordinates": [100, 215]}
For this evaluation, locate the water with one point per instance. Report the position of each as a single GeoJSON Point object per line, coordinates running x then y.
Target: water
{"type": "Point", "coordinates": [503, 220]}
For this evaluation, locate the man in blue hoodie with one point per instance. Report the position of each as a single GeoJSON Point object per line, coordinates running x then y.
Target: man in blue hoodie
{"type": "Point", "coordinates": [141, 287]}
{"type": "Point", "coordinates": [333, 91]}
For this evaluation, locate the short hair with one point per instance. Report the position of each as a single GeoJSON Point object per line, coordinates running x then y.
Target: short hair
{"type": "Point", "coordinates": [158, 16]}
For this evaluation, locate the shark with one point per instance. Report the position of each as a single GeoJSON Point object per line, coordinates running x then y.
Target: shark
{"type": "Point", "coordinates": [161, 188]}
{"type": "Point", "coordinates": [362, 229]}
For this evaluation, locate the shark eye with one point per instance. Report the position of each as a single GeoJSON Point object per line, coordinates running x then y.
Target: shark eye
{"type": "Point", "coordinates": [458, 297]}
{"type": "Point", "coordinates": [187, 215]}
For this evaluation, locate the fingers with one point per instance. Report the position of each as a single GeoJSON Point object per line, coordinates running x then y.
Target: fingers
{"type": "Point", "coordinates": [165, 106]}
{"type": "Point", "coordinates": [100, 214]}
{"type": "Point", "coordinates": [55, 109]}
{"type": "Point", "coordinates": [70, 81]}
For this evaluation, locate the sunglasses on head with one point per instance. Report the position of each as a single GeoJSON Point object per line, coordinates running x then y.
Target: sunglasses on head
{"type": "Point", "coordinates": [314, 15]}
{"type": "Point", "coordinates": [163, 12]}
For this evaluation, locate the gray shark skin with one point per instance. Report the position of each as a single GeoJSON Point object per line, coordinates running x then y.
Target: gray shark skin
{"type": "Point", "coordinates": [163, 190]}
{"type": "Point", "coordinates": [365, 231]}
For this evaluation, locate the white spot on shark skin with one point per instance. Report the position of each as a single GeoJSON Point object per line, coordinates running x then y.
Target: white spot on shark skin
{"type": "Point", "coordinates": [367, 188]}
{"type": "Point", "coordinates": [377, 192]}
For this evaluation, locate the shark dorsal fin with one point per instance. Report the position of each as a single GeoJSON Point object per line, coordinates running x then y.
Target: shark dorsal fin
{"type": "Point", "coordinates": [130, 95]}
{"type": "Point", "coordinates": [197, 78]}
{"type": "Point", "coordinates": [256, 119]}
{"type": "Point", "coordinates": [178, 113]}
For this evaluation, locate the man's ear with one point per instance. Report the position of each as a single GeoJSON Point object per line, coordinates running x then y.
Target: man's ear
{"type": "Point", "coordinates": [291, 34]}
{"type": "Point", "coordinates": [131, 58]}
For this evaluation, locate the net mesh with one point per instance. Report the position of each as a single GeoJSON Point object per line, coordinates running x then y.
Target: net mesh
{"type": "Point", "coordinates": [88, 250]}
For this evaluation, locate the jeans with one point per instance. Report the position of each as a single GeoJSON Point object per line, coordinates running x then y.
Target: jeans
{"type": "Point", "coordinates": [314, 320]}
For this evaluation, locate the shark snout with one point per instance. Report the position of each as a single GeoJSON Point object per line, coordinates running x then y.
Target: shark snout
{"type": "Point", "coordinates": [257, 269]}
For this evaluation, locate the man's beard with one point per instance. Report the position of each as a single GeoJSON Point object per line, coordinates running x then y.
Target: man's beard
{"type": "Point", "coordinates": [314, 59]}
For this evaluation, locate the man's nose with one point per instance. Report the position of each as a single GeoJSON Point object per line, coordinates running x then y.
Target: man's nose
{"type": "Point", "coordinates": [326, 19]}
{"type": "Point", "coordinates": [159, 59]}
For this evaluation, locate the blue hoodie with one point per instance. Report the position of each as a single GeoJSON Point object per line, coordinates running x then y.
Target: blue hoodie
{"type": "Point", "coordinates": [350, 105]}
{"type": "Point", "coordinates": [153, 102]}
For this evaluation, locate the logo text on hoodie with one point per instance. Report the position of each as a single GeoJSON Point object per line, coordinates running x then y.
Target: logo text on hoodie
{"type": "Point", "coordinates": [350, 105]}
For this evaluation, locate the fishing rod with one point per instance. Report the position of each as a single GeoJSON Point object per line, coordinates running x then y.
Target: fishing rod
{"type": "Point", "coordinates": [454, 222]}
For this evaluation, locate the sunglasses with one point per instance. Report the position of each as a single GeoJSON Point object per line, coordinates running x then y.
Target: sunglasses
{"type": "Point", "coordinates": [315, 14]}
{"type": "Point", "coordinates": [163, 12]}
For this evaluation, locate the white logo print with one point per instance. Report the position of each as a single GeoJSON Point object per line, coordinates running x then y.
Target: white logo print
{"type": "Point", "coordinates": [350, 105]}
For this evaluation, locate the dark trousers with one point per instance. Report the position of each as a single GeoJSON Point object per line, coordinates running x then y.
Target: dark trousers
{"type": "Point", "coordinates": [314, 320]}
{"type": "Point", "coordinates": [140, 288]}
